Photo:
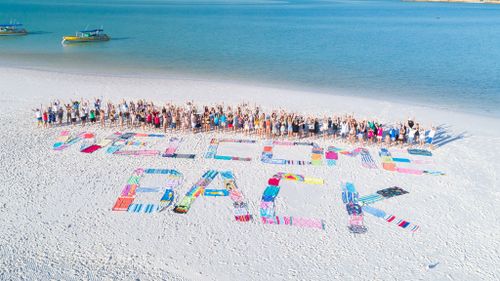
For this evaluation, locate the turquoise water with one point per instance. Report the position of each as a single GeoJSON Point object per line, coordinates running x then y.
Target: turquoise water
{"type": "Point", "coordinates": [440, 54]}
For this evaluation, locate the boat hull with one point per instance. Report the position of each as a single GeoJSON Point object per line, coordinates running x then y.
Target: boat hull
{"type": "Point", "coordinates": [17, 33]}
{"type": "Point", "coordinates": [76, 39]}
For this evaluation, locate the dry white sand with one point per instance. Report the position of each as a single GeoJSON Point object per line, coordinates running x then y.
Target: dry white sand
{"type": "Point", "coordinates": [56, 219]}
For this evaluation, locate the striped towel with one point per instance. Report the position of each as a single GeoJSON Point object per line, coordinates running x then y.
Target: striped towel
{"type": "Point", "coordinates": [149, 208]}
{"type": "Point", "coordinates": [391, 218]}
{"type": "Point", "coordinates": [370, 199]}
{"type": "Point", "coordinates": [367, 160]}
{"type": "Point", "coordinates": [135, 208]}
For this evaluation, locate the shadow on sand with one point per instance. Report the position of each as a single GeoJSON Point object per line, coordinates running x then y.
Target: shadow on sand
{"type": "Point", "coordinates": [444, 136]}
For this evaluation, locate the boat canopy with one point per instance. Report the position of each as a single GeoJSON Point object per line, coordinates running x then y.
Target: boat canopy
{"type": "Point", "coordinates": [10, 25]}
{"type": "Point", "coordinates": [91, 31]}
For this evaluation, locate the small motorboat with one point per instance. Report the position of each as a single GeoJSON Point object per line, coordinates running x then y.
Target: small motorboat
{"type": "Point", "coordinates": [12, 29]}
{"type": "Point", "coordinates": [84, 36]}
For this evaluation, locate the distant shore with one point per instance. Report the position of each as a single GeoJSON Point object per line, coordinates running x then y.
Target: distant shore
{"type": "Point", "coordinates": [458, 1]}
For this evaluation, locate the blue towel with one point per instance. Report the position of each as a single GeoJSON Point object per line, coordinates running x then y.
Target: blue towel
{"type": "Point", "coordinates": [374, 211]}
{"type": "Point", "coordinates": [401, 160]}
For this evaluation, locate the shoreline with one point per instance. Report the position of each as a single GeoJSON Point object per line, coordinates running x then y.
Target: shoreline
{"type": "Point", "coordinates": [155, 74]}
{"type": "Point", "coordinates": [457, 1]}
{"type": "Point", "coordinates": [181, 89]}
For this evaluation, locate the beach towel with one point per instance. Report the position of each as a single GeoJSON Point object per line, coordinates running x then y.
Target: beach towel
{"type": "Point", "coordinates": [374, 212]}
{"type": "Point", "coordinates": [221, 157]}
{"type": "Point", "coordinates": [409, 171]}
{"type": "Point", "coordinates": [135, 208]}
{"type": "Point", "coordinates": [350, 197]}
{"type": "Point", "coordinates": [391, 218]}
{"type": "Point", "coordinates": [268, 208]}
{"type": "Point", "coordinates": [216, 192]}
{"type": "Point", "coordinates": [126, 136]}
{"type": "Point", "coordinates": [401, 160]}
{"type": "Point", "coordinates": [123, 203]}
{"type": "Point", "coordinates": [306, 222]}
{"type": "Point", "coordinates": [147, 189]}
{"type": "Point", "coordinates": [331, 156]}
{"type": "Point", "coordinates": [114, 148]}
{"type": "Point", "coordinates": [184, 156]}
{"type": "Point", "coordinates": [270, 193]}
{"type": "Point", "coordinates": [91, 148]}
{"type": "Point", "coordinates": [137, 152]}
{"type": "Point", "coordinates": [273, 181]}
{"type": "Point", "coordinates": [367, 160]}
{"type": "Point", "coordinates": [422, 152]}
{"type": "Point", "coordinates": [356, 224]}
{"type": "Point", "coordinates": [353, 209]}
{"type": "Point", "coordinates": [214, 144]}
{"type": "Point", "coordinates": [108, 140]}
{"type": "Point", "coordinates": [173, 145]}
{"type": "Point", "coordinates": [241, 213]}
{"type": "Point", "coordinates": [69, 141]}
{"type": "Point", "coordinates": [434, 173]}
{"type": "Point", "coordinates": [392, 191]}
{"type": "Point", "coordinates": [370, 199]}
{"type": "Point", "coordinates": [61, 139]}
{"type": "Point", "coordinates": [150, 208]}
{"type": "Point", "coordinates": [184, 205]}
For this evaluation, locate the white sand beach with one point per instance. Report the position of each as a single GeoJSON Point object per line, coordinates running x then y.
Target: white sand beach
{"type": "Point", "coordinates": [57, 220]}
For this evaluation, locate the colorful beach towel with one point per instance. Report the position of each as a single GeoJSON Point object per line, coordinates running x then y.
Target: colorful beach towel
{"type": "Point", "coordinates": [173, 146]}
{"type": "Point", "coordinates": [422, 152]}
{"type": "Point", "coordinates": [350, 198]}
{"type": "Point", "coordinates": [133, 189]}
{"type": "Point", "coordinates": [214, 145]}
{"type": "Point", "coordinates": [391, 218]}
{"type": "Point", "coordinates": [267, 154]}
{"type": "Point", "coordinates": [365, 156]}
{"type": "Point", "coordinates": [390, 164]}
{"type": "Point", "coordinates": [268, 208]}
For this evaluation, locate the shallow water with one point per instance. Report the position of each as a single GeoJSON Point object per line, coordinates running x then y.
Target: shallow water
{"type": "Point", "coordinates": [440, 54]}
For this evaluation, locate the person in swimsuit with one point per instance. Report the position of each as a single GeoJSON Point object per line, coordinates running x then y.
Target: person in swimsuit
{"type": "Point", "coordinates": [380, 133]}
{"type": "Point", "coordinates": [38, 117]}
{"type": "Point", "coordinates": [430, 137]}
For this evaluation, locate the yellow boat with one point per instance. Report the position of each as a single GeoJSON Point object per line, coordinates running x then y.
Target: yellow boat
{"type": "Point", "coordinates": [84, 36]}
{"type": "Point", "coordinates": [12, 29]}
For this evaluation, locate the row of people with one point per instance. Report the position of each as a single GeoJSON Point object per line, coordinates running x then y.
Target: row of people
{"type": "Point", "coordinates": [243, 118]}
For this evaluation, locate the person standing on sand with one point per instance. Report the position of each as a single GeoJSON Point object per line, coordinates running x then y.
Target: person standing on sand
{"type": "Point", "coordinates": [50, 115]}
{"type": "Point", "coordinates": [38, 117]}
{"type": "Point", "coordinates": [401, 136]}
{"type": "Point", "coordinates": [393, 136]}
{"type": "Point", "coordinates": [362, 132]}
{"type": "Point", "coordinates": [380, 133]}
{"type": "Point", "coordinates": [102, 117]}
{"type": "Point", "coordinates": [68, 114]}
{"type": "Point", "coordinates": [45, 118]}
{"type": "Point", "coordinates": [60, 115]}
{"type": "Point", "coordinates": [411, 136]}
{"type": "Point", "coordinates": [430, 137]}
{"type": "Point", "coordinates": [335, 127]}
{"type": "Point", "coordinates": [417, 133]}
{"type": "Point", "coordinates": [73, 117]}
{"type": "Point", "coordinates": [156, 120]}
{"type": "Point", "coordinates": [421, 136]}
{"type": "Point", "coordinates": [97, 107]}
{"type": "Point", "coordinates": [83, 116]}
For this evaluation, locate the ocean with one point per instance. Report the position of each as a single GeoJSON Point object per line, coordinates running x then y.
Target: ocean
{"type": "Point", "coordinates": [443, 55]}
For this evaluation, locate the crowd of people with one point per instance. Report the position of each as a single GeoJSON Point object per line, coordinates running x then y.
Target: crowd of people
{"type": "Point", "coordinates": [243, 118]}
